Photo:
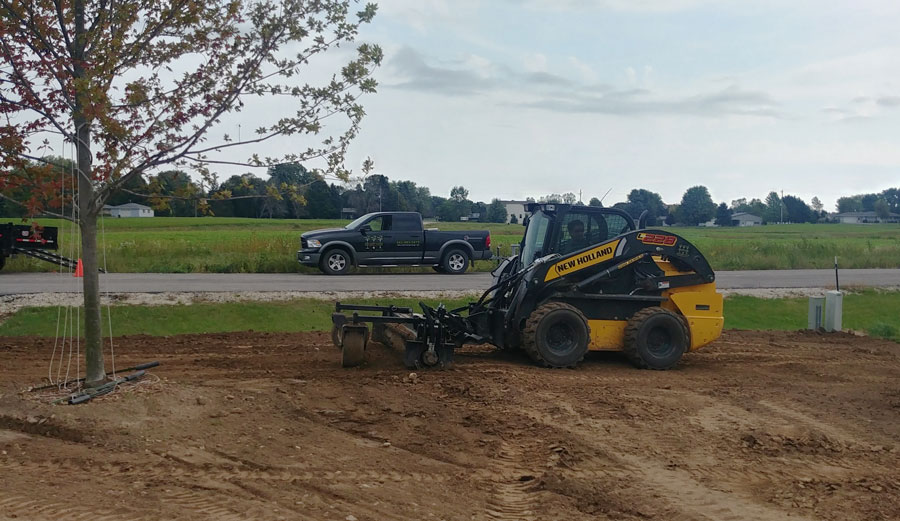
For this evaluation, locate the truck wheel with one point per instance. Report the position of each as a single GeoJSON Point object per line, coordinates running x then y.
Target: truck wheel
{"type": "Point", "coordinates": [2, 261]}
{"type": "Point", "coordinates": [556, 335]}
{"type": "Point", "coordinates": [655, 338]}
{"type": "Point", "coordinates": [455, 262]}
{"type": "Point", "coordinates": [336, 262]}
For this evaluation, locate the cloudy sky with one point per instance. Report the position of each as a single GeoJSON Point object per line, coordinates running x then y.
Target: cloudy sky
{"type": "Point", "coordinates": [516, 98]}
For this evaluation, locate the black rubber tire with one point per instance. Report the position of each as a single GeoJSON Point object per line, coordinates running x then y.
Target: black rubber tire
{"type": "Point", "coordinates": [353, 348]}
{"type": "Point", "coordinates": [2, 261]}
{"type": "Point", "coordinates": [656, 338]}
{"type": "Point", "coordinates": [331, 265]}
{"type": "Point", "coordinates": [456, 261]}
{"type": "Point", "coordinates": [556, 335]}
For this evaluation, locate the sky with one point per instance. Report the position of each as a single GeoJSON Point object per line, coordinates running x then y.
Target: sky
{"type": "Point", "coordinates": [519, 98]}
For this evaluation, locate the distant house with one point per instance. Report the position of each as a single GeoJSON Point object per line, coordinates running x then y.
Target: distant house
{"type": "Point", "coordinates": [128, 210]}
{"type": "Point", "coordinates": [865, 218]}
{"type": "Point", "coordinates": [745, 219]}
{"type": "Point", "coordinates": [516, 208]}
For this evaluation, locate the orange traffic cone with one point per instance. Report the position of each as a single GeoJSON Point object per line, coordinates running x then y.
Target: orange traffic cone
{"type": "Point", "coordinates": [79, 270]}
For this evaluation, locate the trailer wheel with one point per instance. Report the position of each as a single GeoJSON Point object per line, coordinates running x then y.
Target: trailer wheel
{"type": "Point", "coordinates": [336, 262]}
{"type": "Point", "coordinates": [353, 345]}
{"type": "Point", "coordinates": [655, 338]}
{"type": "Point", "coordinates": [455, 262]}
{"type": "Point", "coordinates": [557, 335]}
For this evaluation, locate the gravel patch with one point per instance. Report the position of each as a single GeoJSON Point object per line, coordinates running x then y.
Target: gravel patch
{"type": "Point", "coordinates": [11, 303]}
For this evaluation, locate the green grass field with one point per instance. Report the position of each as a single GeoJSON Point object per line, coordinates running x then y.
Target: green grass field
{"type": "Point", "coordinates": [875, 312]}
{"type": "Point", "coordinates": [236, 245]}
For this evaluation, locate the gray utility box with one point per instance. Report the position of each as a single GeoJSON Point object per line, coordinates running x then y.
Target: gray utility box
{"type": "Point", "coordinates": [834, 308]}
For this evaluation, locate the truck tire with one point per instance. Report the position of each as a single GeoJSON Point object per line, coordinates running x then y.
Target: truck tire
{"type": "Point", "coordinates": [456, 261]}
{"type": "Point", "coordinates": [336, 261]}
{"type": "Point", "coordinates": [655, 338]}
{"type": "Point", "coordinates": [2, 261]}
{"type": "Point", "coordinates": [556, 335]}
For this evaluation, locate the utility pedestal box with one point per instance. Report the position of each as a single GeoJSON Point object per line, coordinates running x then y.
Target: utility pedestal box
{"type": "Point", "coordinates": [834, 308]}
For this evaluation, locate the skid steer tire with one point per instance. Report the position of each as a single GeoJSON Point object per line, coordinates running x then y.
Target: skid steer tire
{"type": "Point", "coordinates": [655, 338]}
{"type": "Point", "coordinates": [556, 335]}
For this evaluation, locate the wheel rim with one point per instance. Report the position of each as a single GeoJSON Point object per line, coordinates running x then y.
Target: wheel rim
{"type": "Point", "coordinates": [660, 342]}
{"type": "Point", "coordinates": [456, 262]}
{"type": "Point", "coordinates": [337, 262]}
{"type": "Point", "coordinates": [561, 338]}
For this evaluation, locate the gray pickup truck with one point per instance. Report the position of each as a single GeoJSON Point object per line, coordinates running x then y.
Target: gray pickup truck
{"type": "Point", "coordinates": [392, 239]}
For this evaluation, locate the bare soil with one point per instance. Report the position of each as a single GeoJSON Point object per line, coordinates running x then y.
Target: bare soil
{"type": "Point", "coordinates": [758, 426]}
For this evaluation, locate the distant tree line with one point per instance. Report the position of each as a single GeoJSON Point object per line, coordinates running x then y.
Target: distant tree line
{"type": "Point", "coordinates": [293, 192]}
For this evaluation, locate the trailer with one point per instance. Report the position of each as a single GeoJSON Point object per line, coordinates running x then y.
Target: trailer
{"type": "Point", "coordinates": [33, 241]}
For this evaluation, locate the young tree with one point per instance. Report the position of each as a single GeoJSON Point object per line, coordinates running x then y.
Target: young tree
{"type": "Point", "coordinates": [892, 197]}
{"type": "Point", "coordinates": [496, 212]}
{"type": "Point", "coordinates": [696, 206]}
{"type": "Point", "coordinates": [816, 205]}
{"type": "Point", "coordinates": [851, 203]}
{"type": "Point", "coordinates": [774, 212]}
{"type": "Point", "coordinates": [459, 194]}
{"type": "Point", "coordinates": [640, 200]}
{"type": "Point", "coordinates": [551, 198]}
{"type": "Point", "coordinates": [882, 209]}
{"type": "Point", "coordinates": [796, 210]}
{"type": "Point", "coordinates": [135, 86]}
{"type": "Point", "coordinates": [595, 202]}
{"type": "Point", "coordinates": [723, 215]}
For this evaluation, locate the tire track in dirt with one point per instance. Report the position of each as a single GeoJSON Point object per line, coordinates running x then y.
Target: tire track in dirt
{"type": "Point", "coordinates": [687, 498]}
{"type": "Point", "coordinates": [14, 506]}
{"type": "Point", "coordinates": [511, 499]}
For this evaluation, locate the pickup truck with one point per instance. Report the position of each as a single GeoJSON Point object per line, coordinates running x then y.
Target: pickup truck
{"type": "Point", "coordinates": [24, 239]}
{"type": "Point", "coordinates": [392, 239]}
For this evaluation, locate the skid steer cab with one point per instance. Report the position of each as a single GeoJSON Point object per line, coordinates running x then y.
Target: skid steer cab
{"type": "Point", "coordinates": [587, 279]}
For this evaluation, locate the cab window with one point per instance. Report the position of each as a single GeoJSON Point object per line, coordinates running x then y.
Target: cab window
{"type": "Point", "coordinates": [382, 223]}
{"type": "Point", "coordinates": [617, 225]}
{"type": "Point", "coordinates": [581, 230]}
{"type": "Point", "coordinates": [407, 222]}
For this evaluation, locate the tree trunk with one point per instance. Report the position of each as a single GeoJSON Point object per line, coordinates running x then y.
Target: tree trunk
{"type": "Point", "coordinates": [87, 210]}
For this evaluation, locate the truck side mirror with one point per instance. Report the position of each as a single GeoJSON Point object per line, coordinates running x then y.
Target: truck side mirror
{"type": "Point", "coordinates": [365, 228]}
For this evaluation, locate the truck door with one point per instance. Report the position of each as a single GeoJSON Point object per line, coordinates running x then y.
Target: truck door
{"type": "Point", "coordinates": [376, 244]}
{"type": "Point", "coordinates": [409, 239]}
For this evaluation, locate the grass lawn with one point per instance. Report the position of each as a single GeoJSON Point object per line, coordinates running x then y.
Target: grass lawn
{"type": "Point", "coordinates": [238, 245]}
{"type": "Point", "coordinates": [875, 312]}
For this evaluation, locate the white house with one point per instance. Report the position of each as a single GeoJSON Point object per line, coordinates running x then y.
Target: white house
{"type": "Point", "coordinates": [745, 219]}
{"type": "Point", "coordinates": [128, 210]}
{"type": "Point", "coordinates": [516, 208]}
{"type": "Point", "coordinates": [865, 218]}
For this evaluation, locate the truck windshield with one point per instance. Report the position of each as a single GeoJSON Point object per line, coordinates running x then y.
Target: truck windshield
{"type": "Point", "coordinates": [534, 238]}
{"type": "Point", "coordinates": [358, 221]}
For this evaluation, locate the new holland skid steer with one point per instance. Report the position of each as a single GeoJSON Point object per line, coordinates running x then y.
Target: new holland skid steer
{"type": "Point", "coordinates": [586, 279]}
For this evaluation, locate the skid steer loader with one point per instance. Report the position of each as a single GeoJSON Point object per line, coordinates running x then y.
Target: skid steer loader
{"type": "Point", "coordinates": [586, 279]}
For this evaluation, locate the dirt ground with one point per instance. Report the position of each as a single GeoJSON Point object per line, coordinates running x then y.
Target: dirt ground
{"type": "Point", "coordinates": [758, 426]}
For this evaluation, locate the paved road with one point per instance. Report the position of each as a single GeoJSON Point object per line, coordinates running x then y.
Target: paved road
{"type": "Point", "coordinates": [20, 283]}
